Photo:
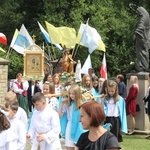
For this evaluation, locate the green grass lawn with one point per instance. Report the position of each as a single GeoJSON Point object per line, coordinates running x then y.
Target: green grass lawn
{"type": "Point", "coordinates": [135, 142]}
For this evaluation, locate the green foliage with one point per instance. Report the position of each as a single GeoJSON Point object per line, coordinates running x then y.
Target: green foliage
{"type": "Point", "coordinates": [114, 21]}
{"type": "Point", "coordinates": [10, 17]}
{"type": "Point", "coordinates": [3, 54]}
{"type": "Point", "coordinates": [15, 65]}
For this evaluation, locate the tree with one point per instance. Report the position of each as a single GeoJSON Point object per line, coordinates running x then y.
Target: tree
{"type": "Point", "coordinates": [114, 21]}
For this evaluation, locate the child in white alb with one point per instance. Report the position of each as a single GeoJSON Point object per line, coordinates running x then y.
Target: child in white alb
{"type": "Point", "coordinates": [44, 129]}
{"type": "Point", "coordinates": [17, 126]}
{"type": "Point", "coordinates": [20, 114]}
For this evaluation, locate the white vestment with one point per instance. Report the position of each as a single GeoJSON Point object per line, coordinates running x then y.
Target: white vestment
{"type": "Point", "coordinates": [8, 140]}
{"type": "Point", "coordinates": [21, 115]}
{"type": "Point", "coordinates": [47, 123]}
{"type": "Point", "coordinates": [19, 129]}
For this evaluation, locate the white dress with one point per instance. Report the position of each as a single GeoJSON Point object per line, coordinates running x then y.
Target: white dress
{"type": "Point", "coordinates": [58, 89]}
{"type": "Point", "coordinates": [52, 102]}
{"type": "Point", "coordinates": [45, 122]}
{"type": "Point", "coordinates": [8, 140]}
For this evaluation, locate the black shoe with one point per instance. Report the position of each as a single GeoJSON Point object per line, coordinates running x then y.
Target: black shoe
{"type": "Point", "coordinates": [120, 139]}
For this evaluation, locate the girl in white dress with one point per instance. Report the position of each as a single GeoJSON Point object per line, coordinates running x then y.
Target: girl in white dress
{"type": "Point", "coordinates": [58, 86]}
{"type": "Point", "coordinates": [49, 91]}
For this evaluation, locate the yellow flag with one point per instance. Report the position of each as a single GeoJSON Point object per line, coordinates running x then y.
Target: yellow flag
{"type": "Point", "coordinates": [55, 35]}
{"type": "Point", "coordinates": [68, 36]}
{"type": "Point", "coordinates": [2, 50]}
{"type": "Point", "coordinates": [62, 35]}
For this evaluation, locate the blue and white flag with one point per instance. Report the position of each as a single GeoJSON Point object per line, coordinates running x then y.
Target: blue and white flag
{"type": "Point", "coordinates": [22, 41]}
{"type": "Point", "coordinates": [90, 38]}
{"type": "Point", "coordinates": [46, 37]}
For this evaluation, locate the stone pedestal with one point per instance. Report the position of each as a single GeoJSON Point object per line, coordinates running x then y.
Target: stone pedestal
{"type": "Point", "coordinates": [141, 119]}
{"type": "Point", "coordinates": [3, 79]}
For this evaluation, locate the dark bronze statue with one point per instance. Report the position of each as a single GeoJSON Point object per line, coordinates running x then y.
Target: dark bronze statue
{"type": "Point", "coordinates": [142, 45]}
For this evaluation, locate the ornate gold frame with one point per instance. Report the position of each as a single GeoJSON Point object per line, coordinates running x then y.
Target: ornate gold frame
{"type": "Point", "coordinates": [34, 63]}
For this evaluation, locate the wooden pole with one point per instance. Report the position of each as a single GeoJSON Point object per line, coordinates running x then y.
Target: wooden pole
{"type": "Point", "coordinates": [9, 51]}
{"type": "Point", "coordinates": [75, 51]}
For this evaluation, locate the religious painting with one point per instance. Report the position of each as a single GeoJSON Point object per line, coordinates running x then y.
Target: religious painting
{"type": "Point", "coordinates": [33, 64]}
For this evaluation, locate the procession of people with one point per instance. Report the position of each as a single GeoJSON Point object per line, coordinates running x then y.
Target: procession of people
{"type": "Point", "coordinates": [56, 108]}
{"type": "Point", "coordinates": [83, 109]}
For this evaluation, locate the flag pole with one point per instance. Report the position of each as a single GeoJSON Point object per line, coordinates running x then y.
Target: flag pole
{"type": "Point", "coordinates": [48, 59]}
{"type": "Point", "coordinates": [9, 51]}
{"type": "Point", "coordinates": [12, 43]}
{"type": "Point", "coordinates": [50, 54]}
{"type": "Point", "coordinates": [51, 57]}
{"type": "Point", "coordinates": [75, 50]}
{"type": "Point", "coordinates": [54, 57]}
{"type": "Point", "coordinates": [53, 51]}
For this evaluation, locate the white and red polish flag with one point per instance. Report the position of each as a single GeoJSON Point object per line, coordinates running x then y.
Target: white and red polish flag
{"type": "Point", "coordinates": [103, 69]}
{"type": "Point", "coordinates": [3, 39]}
